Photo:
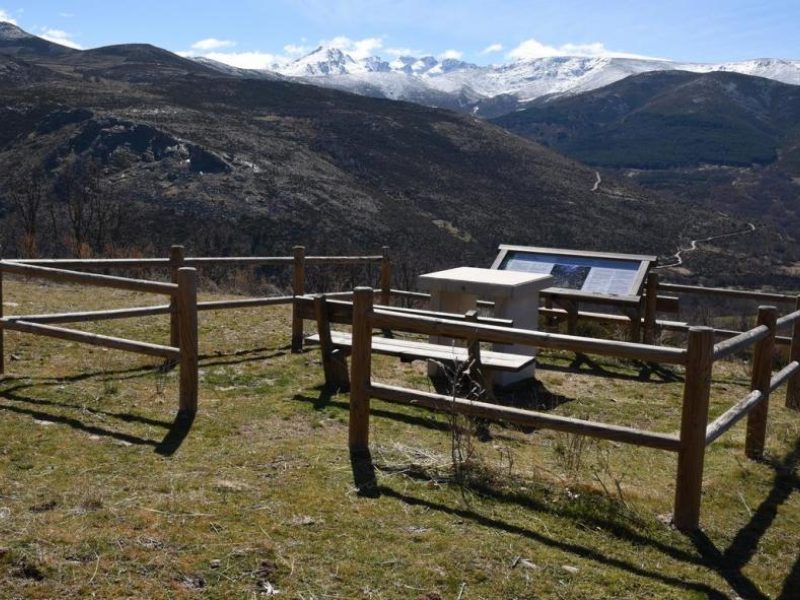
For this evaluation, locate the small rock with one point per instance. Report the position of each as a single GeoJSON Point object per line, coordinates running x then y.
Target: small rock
{"type": "Point", "coordinates": [228, 485]}
{"type": "Point", "coordinates": [43, 423]}
{"type": "Point", "coordinates": [415, 529]}
{"type": "Point", "coordinates": [265, 588]}
{"type": "Point", "coordinates": [194, 582]}
{"type": "Point", "coordinates": [215, 564]}
{"type": "Point", "coordinates": [570, 569]}
{"type": "Point", "coordinates": [524, 562]}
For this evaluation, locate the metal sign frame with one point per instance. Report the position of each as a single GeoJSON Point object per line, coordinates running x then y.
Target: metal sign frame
{"type": "Point", "coordinates": [633, 298]}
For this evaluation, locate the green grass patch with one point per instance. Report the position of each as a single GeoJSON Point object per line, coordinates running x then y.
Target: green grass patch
{"type": "Point", "coordinates": [97, 499]}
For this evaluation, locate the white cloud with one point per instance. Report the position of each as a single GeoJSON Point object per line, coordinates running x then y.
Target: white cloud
{"type": "Point", "coordinates": [246, 60]}
{"type": "Point", "coordinates": [4, 16]}
{"type": "Point", "coordinates": [66, 15]}
{"type": "Point", "coordinates": [358, 49]}
{"type": "Point", "coordinates": [403, 52]}
{"type": "Point", "coordinates": [297, 49]}
{"type": "Point", "coordinates": [492, 48]}
{"type": "Point", "coordinates": [212, 44]}
{"type": "Point", "coordinates": [454, 54]}
{"type": "Point", "coordinates": [59, 36]}
{"type": "Point", "coordinates": [535, 49]}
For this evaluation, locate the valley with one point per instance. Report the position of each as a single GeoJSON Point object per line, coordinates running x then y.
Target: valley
{"type": "Point", "coordinates": [159, 149]}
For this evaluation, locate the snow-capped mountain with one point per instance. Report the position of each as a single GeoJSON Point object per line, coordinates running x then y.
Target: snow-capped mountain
{"type": "Point", "coordinates": [494, 89]}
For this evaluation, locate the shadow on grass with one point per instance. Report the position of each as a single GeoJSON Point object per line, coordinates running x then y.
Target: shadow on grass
{"type": "Point", "coordinates": [176, 434]}
{"type": "Point", "coordinates": [127, 417]}
{"type": "Point", "coordinates": [364, 473]}
{"type": "Point", "coordinates": [729, 563]}
{"type": "Point", "coordinates": [559, 544]}
{"type": "Point", "coordinates": [69, 421]}
{"type": "Point", "coordinates": [583, 364]}
{"type": "Point", "coordinates": [588, 511]}
{"type": "Point", "coordinates": [243, 356]}
{"type": "Point", "coordinates": [133, 372]}
{"type": "Point", "coordinates": [325, 400]}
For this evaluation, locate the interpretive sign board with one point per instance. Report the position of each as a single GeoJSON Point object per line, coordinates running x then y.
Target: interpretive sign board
{"type": "Point", "coordinates": [580, 274]}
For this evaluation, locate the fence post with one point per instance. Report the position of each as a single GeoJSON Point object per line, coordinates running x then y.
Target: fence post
{"type": "Point", "coordinates": [694, 420]}
{"type": "Point", "coordinates": [2, 330]}
{"type": "Point", "coordinates": [360, 369]}
{"type": "Point", "coordinates": [650, 300]}
{"type": "Point", "coordinates": [760, 380]}
{"type": "Point", "coordinates": [298, 289]}
{"type": "Point", "coordinates": [793, 387]}
{"type": "Point", "coordinates": [175, 263]}
{"type": "Point", "coordinates": [186, 300]}
{"type": "Point", "coordinates": [386, 277]}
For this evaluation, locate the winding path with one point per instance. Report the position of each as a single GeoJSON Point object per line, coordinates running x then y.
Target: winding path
{"type": "Point", "coordinates": [598, 182]}
{"type": "Point", "coordinates": [693, 245]}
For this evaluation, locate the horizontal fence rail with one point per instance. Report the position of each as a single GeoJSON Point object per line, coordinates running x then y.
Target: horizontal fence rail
{"type": "Point", "coordinates": [732, 416]}
{"type": "Point", "coordinates": [784, 375]}
{"type": "Point", "coordinates": [740, 342]}
{"type": "Point", "coordinates": [94, 263]}
{"type": "Point", "coordinates": [120, 283]}
{"type": "Point", "coordinates": [787, 320]}
{"type": "Point", "coordinates": [387, 319]}
{"type": "Point", "coordinates": [727, 293]}
{"type": "Point", "coordinates": [94, 315]}
{"type": "Point", "coordinates": [190, 261]}
{"type": "Point", "coordinates": [696, 432]}
{"type": "Point", "coordinates": [92, 339]}
{"type": "Point", "coordinates": [183, 308]}
{"type": "Point", "coordinates": [472, 408]}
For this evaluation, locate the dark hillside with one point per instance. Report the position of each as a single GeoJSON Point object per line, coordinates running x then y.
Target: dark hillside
{"type": "Point", "coordinates": [16, 42]}
{"type": "Point", "coordinates": [231, 165]}
{"type": "Point", "coordinates": [668, 119]}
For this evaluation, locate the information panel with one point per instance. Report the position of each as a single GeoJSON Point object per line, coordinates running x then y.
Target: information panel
{"type": "Point", "coordinates": [589, 273]}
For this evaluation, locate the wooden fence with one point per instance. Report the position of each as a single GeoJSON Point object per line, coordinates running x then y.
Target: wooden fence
{"type": "Point", "coordinates": [695, 432]}
{"type": "Point", "coordinates": [298, 261]}
{"type": "Point", "coordinates": [652, 303]}
{"type": "Point", "coordinates": [698, 357]}
{"type": "Point", "coordinates": [182, 308]}
{"type": "Point", "coordinates": [183, 293]}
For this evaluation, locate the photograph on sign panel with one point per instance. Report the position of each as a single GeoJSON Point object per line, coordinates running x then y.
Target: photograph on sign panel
{"type": "Point", "coordinates": [569, 276]}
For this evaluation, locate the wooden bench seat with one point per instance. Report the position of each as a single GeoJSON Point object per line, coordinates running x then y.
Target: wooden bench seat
{"type": "Point", "coordinates": [336, 345]}
{"type": "Point", "coordinates": [409, 350]}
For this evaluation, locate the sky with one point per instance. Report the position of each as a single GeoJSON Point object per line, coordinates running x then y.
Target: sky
{"type": "Point", "coordinates": [259, 33]}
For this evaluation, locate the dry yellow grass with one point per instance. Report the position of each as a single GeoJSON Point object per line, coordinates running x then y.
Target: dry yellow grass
{"type": "Point", "coordinates": [96, 499]}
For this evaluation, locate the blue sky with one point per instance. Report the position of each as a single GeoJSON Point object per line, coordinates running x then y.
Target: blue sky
{"type": "Point", "coordinates": [255, 33]}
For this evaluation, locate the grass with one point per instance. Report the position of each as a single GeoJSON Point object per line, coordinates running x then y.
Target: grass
{"type": "Point", "coordinates": [102, 495]}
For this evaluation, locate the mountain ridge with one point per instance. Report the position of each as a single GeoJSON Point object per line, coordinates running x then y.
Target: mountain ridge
{"type": "Point", "coordinates": [451, 83]}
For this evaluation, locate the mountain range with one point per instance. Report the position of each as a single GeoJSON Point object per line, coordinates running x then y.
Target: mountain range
{"type": "Point", "coordinates": [494, 90]}
{"type": "Point", "coordinates": [233, 164]}
{"type": "Point", "coordinates": [165, 150]}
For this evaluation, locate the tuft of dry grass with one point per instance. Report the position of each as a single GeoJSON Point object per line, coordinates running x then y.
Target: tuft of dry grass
{"type": "Point", "coordinates": [259, 497]}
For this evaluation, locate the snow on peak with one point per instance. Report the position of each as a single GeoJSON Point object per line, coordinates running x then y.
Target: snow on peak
{"type": "Point", "coordinates": [9, 31]}
{"type": "Point", "coordinates": [320, 62]}
{"type": "Point", "coordinates": [451, 82]}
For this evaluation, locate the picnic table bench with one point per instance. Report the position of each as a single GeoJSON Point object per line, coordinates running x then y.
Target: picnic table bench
{"type": "Point", "coordinates": [336, 345]}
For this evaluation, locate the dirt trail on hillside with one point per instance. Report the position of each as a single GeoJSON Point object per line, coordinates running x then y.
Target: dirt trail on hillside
{"type": "Point", "coordinates": [678, 256]}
